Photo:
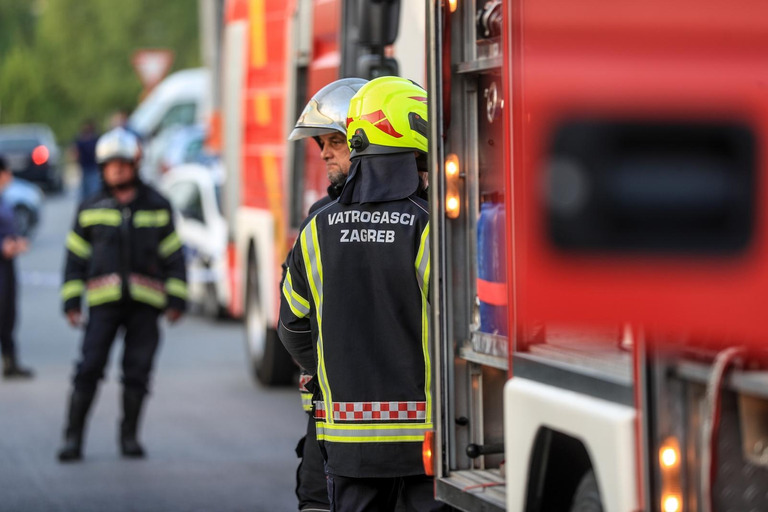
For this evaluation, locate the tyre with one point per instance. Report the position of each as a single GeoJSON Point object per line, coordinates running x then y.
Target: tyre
{"type": "Point", "coordinates": [587, 495]}
{"type": "Point", "coordinates": [270, 363]}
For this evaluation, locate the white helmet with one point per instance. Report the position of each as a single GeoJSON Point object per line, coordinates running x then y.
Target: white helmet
{"type": "Point", "coordinates": [327, 110]}
{"type": "Point", "coordinates": [117, 143]}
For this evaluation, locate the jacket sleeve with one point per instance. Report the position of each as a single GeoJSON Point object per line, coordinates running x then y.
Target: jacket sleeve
{"type": "Point", "coordinates": [294, 325]}
{"type": "Point", "coordinates": [78, 257]}
{"type": "Point", "coordinates": [171, 253]}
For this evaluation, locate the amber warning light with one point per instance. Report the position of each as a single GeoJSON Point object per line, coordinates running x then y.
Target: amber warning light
{"type": "Point", "coordinates": [452, 198]}
{"type": "Point", "coordinates": [427, 453]}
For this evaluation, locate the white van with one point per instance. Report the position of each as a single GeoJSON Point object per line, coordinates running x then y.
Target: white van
{"type": "Point", "coordinates": [183, 97]}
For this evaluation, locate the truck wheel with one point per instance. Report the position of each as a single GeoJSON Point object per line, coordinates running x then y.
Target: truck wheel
{"type": "Point", "coordinates": [270, 363]}
{"type": "Point", "coordinates": [587, 496]}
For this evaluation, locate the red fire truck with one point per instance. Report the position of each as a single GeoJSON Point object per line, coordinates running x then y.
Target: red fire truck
{"type": "Point", "coordinates": [599, 254]}
{"type": "Point", "coordinates": [269, 57]}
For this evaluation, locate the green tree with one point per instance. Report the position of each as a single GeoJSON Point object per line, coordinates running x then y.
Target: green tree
{"type": "Point", "coordinates": [78, 64]}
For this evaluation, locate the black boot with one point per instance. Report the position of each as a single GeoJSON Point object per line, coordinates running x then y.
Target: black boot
{"type": "Point", "coordinates": [133, 399]}
{"type": "Point", "coordinates": [79, 404]}
{"type": "Point", "coordinates": [12, 370]}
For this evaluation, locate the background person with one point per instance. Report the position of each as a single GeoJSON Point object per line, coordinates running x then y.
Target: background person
{"type": "Point", "coordinates": [125, 255]}
{"type": "Point", "coordinates": [85, 153]}
{"type": "Point", "coordinates": [11, 245]}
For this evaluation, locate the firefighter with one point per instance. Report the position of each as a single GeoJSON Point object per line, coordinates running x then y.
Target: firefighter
{"type": "Point", "coordinates": [360, 273]}
{"type": "Point", "coordinates": [125, 256]}
{"type": "Point", "coordinates": [324, 118]}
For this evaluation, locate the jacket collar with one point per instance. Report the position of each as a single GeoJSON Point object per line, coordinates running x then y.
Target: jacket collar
{"type": "Point", "coordinates": [380, 178]}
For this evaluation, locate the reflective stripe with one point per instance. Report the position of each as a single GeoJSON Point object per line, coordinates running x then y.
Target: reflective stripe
{"type": "Point", "coordinates": [378, 411]}
{"type": "Point", "coordinates": [71, 289]}
{"type": "Point", "coordinates": [313, 265]}
{"type": "Point", "coordinates": [151, 218]}
{"type": "Point", "coordinates": [306, 401]}
{"type": "Point", "coordinates": [169, 245]}
{"type": "Point", "coordinates": [147, 295]}
{"type": "Point", "coordinates": [105, 216]}
{"type": "Point", "coordinates": [102, 289]}
{"type": "Point", "coordinates": [371, 433]}
{"type": "Point", "coordinates": [176, 287]}
{"type": "Point", "coordinates": [422, 275]}
{"type": "Point", "coordinates": [422, 262]}
{"type": "Point", "coordinates": [78, 246]}
{"type": "Point", "coordinates": [298, 304]}
{"type": "Point", "coordinates": [306, 396]}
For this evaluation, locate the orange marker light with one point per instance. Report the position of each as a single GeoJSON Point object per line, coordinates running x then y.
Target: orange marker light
{"type": "Point", "coordinates": [427, 453]}
{"type": "Point", "coordinates": [671, 503]}
{"type": "Point", "coordinates": [452, 197]}
{"type": "Point", "coordinates": [453, 5]}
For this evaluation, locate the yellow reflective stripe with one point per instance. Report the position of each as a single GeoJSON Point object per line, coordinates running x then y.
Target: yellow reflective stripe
{"type": "Point", "coordinates": [106, 216]}
{"type": "Point", "coordinates": [169, 245]}
{"type": "Point", "coordinates": [147, 295]}
{"type": "Point", "coordinates": [422, 272]}
{"type": "Point", "coordinates": [151, 218]}
{"type": "Point", "coordinates": [298, 304]}
{"type": "Point", "coordinates": [310, 250]}
{"type": "Point", "coordinates": [176, 287]}
{"type": "Point", "coordinates": [78, 246]}
{"type": "Point", "coordinates": [73, 288]}
{"type": "Point", "coordinates": [371, 433]}
{"type": "Point", "coordinates": [108, 293]}
{"type": "Point", "coordinates": [306, 401]}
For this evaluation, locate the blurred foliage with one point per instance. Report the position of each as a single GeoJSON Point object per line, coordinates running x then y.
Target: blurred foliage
{"type": "Point", "coordinates": [64, 61]}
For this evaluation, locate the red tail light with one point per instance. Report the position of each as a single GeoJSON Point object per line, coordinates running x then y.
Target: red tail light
{"type": "Point", "coordinates": [40, 155]}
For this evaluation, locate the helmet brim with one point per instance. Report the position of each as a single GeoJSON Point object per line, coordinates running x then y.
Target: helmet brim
{"type": "Point", "coordinates": [304, 132]}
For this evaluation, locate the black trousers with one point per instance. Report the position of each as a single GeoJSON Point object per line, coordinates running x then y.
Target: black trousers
{"type": "Point", "coordinates": [7, 308]}
{"type": "Point", "coordinates": [142, 336]}
{"type": "Point", "coordinates": [415, 493]}
{"type": "Point", "coordinates": [311, 485]}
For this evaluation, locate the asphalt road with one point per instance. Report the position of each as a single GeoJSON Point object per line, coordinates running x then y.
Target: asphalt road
{"type": "Point", "coordinates": [215, 441]}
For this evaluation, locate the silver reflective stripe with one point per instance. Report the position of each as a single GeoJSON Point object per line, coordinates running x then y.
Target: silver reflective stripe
{"type": "Point", "coordinates": [313, 264]}
{"type": "Point", "coordinates": [422, 262]}
{"type": "Point", "coordinates": [298, 304]}
{"type": "Point", "coordinates": [376, 433]}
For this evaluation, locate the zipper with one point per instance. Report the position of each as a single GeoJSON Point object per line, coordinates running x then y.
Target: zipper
{"type": "Point", "coordinates": [125, 251]}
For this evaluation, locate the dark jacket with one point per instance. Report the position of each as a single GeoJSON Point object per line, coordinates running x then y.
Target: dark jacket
{"type": "Point", "coordinates": [125, 252]}
{"type": "Point", "coordinates": [360, 272]}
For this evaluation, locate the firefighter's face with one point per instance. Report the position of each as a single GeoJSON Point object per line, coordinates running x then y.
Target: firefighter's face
{"type": "Point", "coordinates": [118, 172]}
{"type": "Point", "coordinates": [335, 153]}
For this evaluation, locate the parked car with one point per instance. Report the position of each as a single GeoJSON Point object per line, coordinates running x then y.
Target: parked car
{"type": "Point", "coordinates": [26, 200]}
{"type": "Point", "coordinates": [32, 154]}
{"type": "Point", "coordinates": [194, 192]}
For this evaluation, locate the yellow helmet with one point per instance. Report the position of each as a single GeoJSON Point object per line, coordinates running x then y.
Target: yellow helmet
{"type": "Point", "coordinates": [387, 115]}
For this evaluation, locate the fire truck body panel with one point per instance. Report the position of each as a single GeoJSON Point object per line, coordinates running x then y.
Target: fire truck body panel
{"type": "Point", "coordinates": [275, 56]}
{"type": "Point", "coordinates": [606, 429]}
{"type": "Point", "coordinates": [599, 252]}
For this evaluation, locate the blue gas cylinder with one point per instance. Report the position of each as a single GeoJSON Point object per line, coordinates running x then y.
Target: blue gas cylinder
{"type": "Point", "coordinates": [491, 269]}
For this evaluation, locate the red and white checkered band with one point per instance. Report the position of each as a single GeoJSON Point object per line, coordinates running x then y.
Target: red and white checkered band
{"type": "Point", "coordinates": [303, 379]}
{"type": "Point", "coordinates": [373, 411]}
{"type": "Point", "coordinates": [104, 281]}
{"type": "Point", "coordinates": [147, 281]}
